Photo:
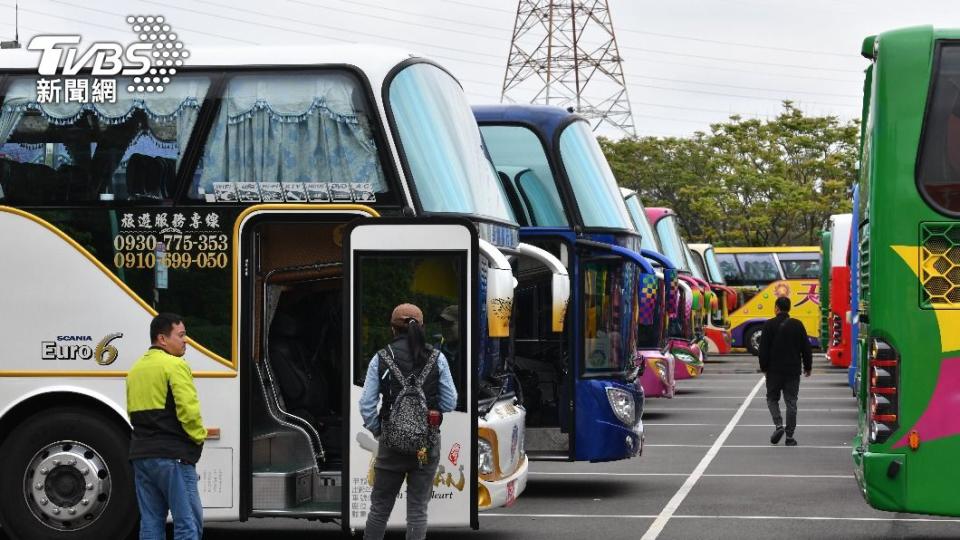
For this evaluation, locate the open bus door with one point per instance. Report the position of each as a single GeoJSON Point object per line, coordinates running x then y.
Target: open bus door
{"type": "Point", "coordinates": [432, 263]}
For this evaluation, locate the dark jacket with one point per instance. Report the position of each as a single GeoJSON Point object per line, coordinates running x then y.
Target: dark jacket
{"type": "Point", "coordinates": [784, 346]}
{"type": "Point", "coordinates": [163, 408]}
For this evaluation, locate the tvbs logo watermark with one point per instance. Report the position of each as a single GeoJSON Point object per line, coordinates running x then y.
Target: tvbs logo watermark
{"type": "Point", "coordinates": [147, 64]}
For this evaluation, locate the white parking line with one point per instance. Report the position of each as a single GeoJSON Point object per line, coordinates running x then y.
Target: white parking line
{"type": "Point", "coordinates": [719, 475]}
{"type": "Point", "coordinates": [658, 424]}
{"type": "Point", "coordinates": [832, 409]}
{"type": "Point", "coordinates": [816, 447]}
{"type": "Point", "coordinates": [786, 518]}
{"type": "Point", "coordinates": [658, 524]}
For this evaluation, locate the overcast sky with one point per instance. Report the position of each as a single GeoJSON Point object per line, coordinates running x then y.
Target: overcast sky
{"type": "Point", "coordinates": [687, 62]}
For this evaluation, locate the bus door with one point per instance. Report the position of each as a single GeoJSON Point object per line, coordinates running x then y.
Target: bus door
{"type": "Point", "coordinates": [543, 346]}
{"type": "Point", "coordinates": [432, 263]}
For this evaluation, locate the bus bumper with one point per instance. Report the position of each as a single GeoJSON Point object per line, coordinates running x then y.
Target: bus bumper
{"type": "Point", "coordinates": [658, 375]}
{"type": "Point", "coordinates": [600, 436]}
{"type": "Point", "coordinates": [882, 478]}
{"type": "Point", "coordinates": [503, 492]}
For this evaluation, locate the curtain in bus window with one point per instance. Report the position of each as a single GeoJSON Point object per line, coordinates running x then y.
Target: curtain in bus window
{"type": "Point", "coordinates": [179, 102]}
{"type": "Point", "coordinates": [800, 265]}
{"type": "Point", "coordinates": [73, 150]}
{"type": "Point", "coordinates": [290, 128]}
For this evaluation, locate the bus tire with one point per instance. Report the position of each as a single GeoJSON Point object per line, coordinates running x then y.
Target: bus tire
{"type": "Point", "coordinates": [752, 339]}
{"type": "Point", "coordinates": [80, 460]}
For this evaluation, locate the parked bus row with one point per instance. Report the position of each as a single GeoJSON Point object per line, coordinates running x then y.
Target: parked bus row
{"type": "Point", "coordinates": [283, 210]}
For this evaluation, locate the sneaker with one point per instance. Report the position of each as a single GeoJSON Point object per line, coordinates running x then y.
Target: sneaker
{"type": "Point", "coordinates": [777, 435]}
{"type": "Point", "coordinates": [790, 441]}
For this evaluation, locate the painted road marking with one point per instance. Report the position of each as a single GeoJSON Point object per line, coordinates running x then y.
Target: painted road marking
{"type": "Point", "coordinates": [719, 475]}
{"type": "Point", "coordinates": [658, 524]}
{"type": "Point", "coordinates": [819, 447]}
{"type": "Point", "coordinates": [786, 518]}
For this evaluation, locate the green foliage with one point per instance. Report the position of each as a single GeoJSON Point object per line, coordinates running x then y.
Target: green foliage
{"type": "Point", "coordinates": [747, 182]}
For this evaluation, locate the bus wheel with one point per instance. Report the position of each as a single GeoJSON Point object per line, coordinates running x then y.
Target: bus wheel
{"type": "Point", "coordinates": [752, 339]}
{"type": "Point", "coordinates": [65, 475]}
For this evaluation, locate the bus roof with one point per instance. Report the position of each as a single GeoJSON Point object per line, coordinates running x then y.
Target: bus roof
{"type": "Point", "coordinates": [780, 249]}
{"type": "Point", "coordinates": [375, 57]}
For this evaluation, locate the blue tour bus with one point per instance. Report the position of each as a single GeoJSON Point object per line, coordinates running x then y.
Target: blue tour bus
{"type": "Point", "coordinates": [581, 391]}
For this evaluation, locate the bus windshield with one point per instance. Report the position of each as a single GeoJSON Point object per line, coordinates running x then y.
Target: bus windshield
{"type": "Point", "coordinates": [518, 154]}
{"type": "Point", "coordinates": [670, 240]}
{"type": "Point", "coordinates": [611, 316]}
{"type": "Point", "coordinates": [442, 146]}
{"type": "Point", "coordinates": [594, 185]}
{"type": "Point", "coordinates": [713, 269]}
{"type": "Point", "coordinates": [648, 240]}
{"type": "Point", "coordinates": [695, 264]}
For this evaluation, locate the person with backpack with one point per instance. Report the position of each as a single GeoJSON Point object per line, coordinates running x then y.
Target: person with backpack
{"type": "Point", "coordinates": [412, 381]}
{"type": "Point", "coordinates": [784, 348]}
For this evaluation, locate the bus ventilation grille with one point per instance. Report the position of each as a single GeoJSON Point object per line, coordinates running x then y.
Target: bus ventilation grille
{"type": "Point", "coordinates": [940, 265]}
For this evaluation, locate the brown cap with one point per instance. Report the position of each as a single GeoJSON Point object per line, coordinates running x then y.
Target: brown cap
{"type": "Point", "coordinates": [403, 313]}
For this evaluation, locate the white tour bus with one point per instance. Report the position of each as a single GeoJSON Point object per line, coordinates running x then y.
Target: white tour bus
{"type": "Point", "coordinates": [238, 197]}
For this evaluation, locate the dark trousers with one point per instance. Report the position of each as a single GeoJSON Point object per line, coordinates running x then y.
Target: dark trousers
{"type": "Point", "coordinates": [790, 386]}
{"type": "Point", "coordinates": [386, 486]}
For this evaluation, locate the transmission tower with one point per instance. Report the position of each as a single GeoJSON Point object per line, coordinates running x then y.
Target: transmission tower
{"type": "Point", "coordinates": [564, 53]}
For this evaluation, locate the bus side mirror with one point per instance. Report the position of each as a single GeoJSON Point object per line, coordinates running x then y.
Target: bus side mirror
{"type": "Point", "coordinates": [560, 286]}
{"type": "Point", "coordinates": [500, 284]}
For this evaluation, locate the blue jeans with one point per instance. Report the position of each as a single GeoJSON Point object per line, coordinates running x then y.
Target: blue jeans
{"type": "Point", "coordinates": [167, 484]}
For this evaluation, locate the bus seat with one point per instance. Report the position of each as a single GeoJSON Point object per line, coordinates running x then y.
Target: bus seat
{"type": "Point", "coordinates": [76, 183]}
{"type": "Point", "coordinates": [168, 177]}
{"type": "Point", "coordinates": [27, 183]}
{"type": "Point", "coordinates": [288, 360]}
{"type": "Point", "coordinates": [144, 178]}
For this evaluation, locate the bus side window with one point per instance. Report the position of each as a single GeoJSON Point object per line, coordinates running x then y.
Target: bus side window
{"type": "Point", "coordinates": [66, 152]}
{"type": "Point", "coordinates": [729, 269]}
{"type": "Point", "coordinates": [938, 170]}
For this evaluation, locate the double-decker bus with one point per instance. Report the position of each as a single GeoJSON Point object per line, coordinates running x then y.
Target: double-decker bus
{"type": "Point", "coordinates": [717, 332]}
{"type": "Point", "coordinates": [909, 282]}
{"type": "Point", "coordinates": [838, 349]}
{"type": "Point", "coordinates": [687, 342]}
{"type": "Point", "coordinates": [240, 197]}
{"type": "Point", "coordinates": [583, 399]}
{"type": "Point", "coordinates": [760, 275]}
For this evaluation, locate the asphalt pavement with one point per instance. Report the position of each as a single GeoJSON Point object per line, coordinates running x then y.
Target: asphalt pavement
{"type": "Point", "coordinates": [707, 471]}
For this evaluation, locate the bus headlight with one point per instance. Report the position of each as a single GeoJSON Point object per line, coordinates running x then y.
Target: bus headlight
{"type": "Point", "coordinates": [623, 405]}
{"type": "Point", "coordinates": [484, 456]}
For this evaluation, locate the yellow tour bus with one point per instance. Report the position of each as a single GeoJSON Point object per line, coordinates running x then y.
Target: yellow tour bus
{"type": "Point", "coordinates": [760, 275]}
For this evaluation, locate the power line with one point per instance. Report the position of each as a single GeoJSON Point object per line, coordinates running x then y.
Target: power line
{"type": "Point", "coordinates": [300, 21]}
{"type": "Point", "coordinates": [126, 30]}
{"type": "Point", "coordinates": [385, 18]}
{"type": "Point", "coordinates": [675, 36]}
{"type": "Point", "coordinates": [753, 62]}
{"type": "Point", "coordinates": [702, 83]}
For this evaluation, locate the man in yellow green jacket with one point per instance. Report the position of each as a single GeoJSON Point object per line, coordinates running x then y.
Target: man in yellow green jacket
{"type": "Point", "coordinates": [168, 433]}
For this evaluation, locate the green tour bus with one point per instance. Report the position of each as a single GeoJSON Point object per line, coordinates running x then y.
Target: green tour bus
{"type": "Point", "coordinates": [909, 279]}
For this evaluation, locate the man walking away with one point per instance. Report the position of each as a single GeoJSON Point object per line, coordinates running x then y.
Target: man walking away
{"type": "Point", "coordinates": [168, 434]}
{"type": "Point", "coordinates": [784, 347]}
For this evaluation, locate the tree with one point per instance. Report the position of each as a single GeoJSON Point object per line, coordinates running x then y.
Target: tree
{"type": "Point", "coordinates": [747, 182]}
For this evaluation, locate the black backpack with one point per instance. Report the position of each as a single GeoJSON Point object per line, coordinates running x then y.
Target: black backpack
{"type": "Point", "coordinates": [407, 430]}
